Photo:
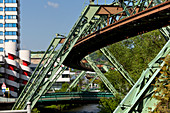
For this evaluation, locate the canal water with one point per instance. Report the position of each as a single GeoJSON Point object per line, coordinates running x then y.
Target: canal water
{"type": "Point", "coordinates": [89, 108]}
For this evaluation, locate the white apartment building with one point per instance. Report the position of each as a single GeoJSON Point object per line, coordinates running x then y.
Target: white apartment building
{"type": "Point", "coordinates": [14, 70]}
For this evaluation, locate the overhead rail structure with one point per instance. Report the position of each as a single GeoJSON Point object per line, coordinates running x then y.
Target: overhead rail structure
{"type": "Point", "coordinates": [97, 27]}
{"type": "Point", "coordinates": [147, 20]}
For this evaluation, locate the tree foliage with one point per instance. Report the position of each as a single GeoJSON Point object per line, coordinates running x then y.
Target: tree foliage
{"type": "Point", "coordinates": [162, 92]}
{"type": "Point", "coordinates": [108, 105]}
{"type": "Point", "coordinates": [133, 54]}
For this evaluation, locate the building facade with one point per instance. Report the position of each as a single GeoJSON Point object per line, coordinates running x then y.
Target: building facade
{"type": "Point", "coordinates": [14, 70]}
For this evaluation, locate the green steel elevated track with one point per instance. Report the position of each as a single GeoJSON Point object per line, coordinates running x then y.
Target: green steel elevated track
{"type": "Point", "coordinates": [97, 27]}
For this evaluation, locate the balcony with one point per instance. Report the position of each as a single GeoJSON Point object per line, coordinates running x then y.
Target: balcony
{"type": "Point", "coordinates": [12, 62]}
{"type": "Point", "coordinates": [2, 60]}
{"type": "Point", "coordinates": [11, 5]}
{"type": "Point", "coordinates": [2, 80]}
{"type": "Point", "coordinates": [13, 37]}
{"type": "Point", "coordinates": [24, 77]}
{"type": "Point", "coordinates": [11, 13]}
{"type": "Point", "coordinates": [26, 68]}
{"type": "Point", "coordinates": [12, 83]}
{"type": "Point", "coordinates": [13, 73]}
{"type": "Point", "coordinates": [2, 69]}
{"type": "Point", "coordinates": [10, 20]}
{"type": "Point", "coordinates": [11, 29]}
{"type": "Point", "coordinates": [14, 94]}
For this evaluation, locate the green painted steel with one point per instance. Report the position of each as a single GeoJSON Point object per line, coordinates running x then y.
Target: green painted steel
{"type": "Point", "coordinates": [165, 32]}
{"type": "Point", "coordinates": [102, 77]}
{"type": "Point", "coordinates": [55, 77]}
{"type": "Point", "coordinates": [75, 82]}
{"type": "Point", "coordinates": [74, 95]}
{"type": "Point", "coordinates": [34, 77]}
{"type": "Point", "coordinates": [36, 87]}
{"type": "Point", "coordinates": [94, 78]}
{"type": "Point", "coordinates": [86, 24]}
{"type": "Point", "coordinates": [86, 88]}
{"type": "Point", "coordinates": [139, 99]}
{"type": "Point", "coordinates": [118, 67]}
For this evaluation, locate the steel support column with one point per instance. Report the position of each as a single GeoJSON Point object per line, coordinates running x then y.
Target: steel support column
{"type": "Point", "coordinates": [36, 86]}
{"type": "Point", "coordinates": [117, 65]}
{"type": "Point", "coordinates": [75, 82]}
{"type": "Point", "coordinates": [139, 99]}
{"type": "Point", "coordinates": [102, 77]}
{"type": "Point", "coordinates": [105, 68]}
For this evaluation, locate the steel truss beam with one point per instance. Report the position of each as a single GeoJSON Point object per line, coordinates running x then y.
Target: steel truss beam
{"type": "Point", "coordinates": [75, 82]}
{"type": "Point", "coordinates": [165, 31]}
{"type": "Point", "coordinates": [34, 78]}
{"type": "Point", "coordinates": [102, 77]}
{"type": "Point", "coordinates": [117, 65]}
{"type": "Point", "coordinates": [139, 99]}
{"type": "Point", "coordinates": [94, 78]}
{"type": "Point", "coordinates": [36, 87]}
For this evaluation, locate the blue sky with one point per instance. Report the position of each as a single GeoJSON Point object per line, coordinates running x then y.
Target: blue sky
{"type": "Point", "coordinates": [42, 19]}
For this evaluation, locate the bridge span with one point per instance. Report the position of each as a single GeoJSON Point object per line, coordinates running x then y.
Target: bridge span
{"type": "Point", "coordinates": [94, 30]}
{"type": "Point", "coordinates": [139, 23]}
{"type": "Point", "coordinates": [73, 97]}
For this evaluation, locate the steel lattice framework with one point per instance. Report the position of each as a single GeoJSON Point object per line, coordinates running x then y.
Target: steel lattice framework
{"type": "Point", "coordinates": [94, 20]}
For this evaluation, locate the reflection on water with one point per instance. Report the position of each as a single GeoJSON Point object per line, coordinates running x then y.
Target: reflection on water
{"type": "Point", "coordinates": [89, 108]}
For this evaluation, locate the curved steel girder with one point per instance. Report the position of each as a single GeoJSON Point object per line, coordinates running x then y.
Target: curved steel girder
{"type": "Point", "coordinates": [139, 23]}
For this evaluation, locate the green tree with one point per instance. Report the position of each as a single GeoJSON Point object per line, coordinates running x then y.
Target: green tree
{"type": "Point", "coordinates": [162, 92]}
{"type": "Point", "coordinates": [133, 54]}
{"type": "Point", "coordinates": [108, 105]}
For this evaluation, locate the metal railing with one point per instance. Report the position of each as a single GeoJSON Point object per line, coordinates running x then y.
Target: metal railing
{"type": "Point", "coordinates": [28, 110]}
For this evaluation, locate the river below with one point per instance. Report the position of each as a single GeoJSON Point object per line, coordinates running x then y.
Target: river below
{"type": "Point", "coordinates": [89, 108]}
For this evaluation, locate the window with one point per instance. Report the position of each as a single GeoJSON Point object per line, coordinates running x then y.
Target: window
{"type": "Point", "coordinates": [10, 33]}
{"type": "Point", "coordinates": [10, 9]}
{"type": "Point", "coordinates": [14, 40]}
{"type": "Point", "coordinates": [1, 25]}
{"type": "Point", "coordinates": [6, 40]}
{"type": "Point", "coordinates": [11, 40]}
{"type": "Point", "coordinates": [1, 49]}
{"type": "Point", "coordinates": [65, 76]}
{"type": "Point", "coordinates": [1, 8]}
{"type": "Point", "coordinates": [1, 41]}
{"type": "Point", "coordinates": [1, 17]}
{"type": "Point", "coordinates": [1, 1]}
{"type": "Point", "coordinates": [10, 1]}
{"type": "Point", "coordinates": [1, 33]}
{"type": "Point", "coordinates": [10, 25]}
{"type": "Point", "coordinates": [10, 17]}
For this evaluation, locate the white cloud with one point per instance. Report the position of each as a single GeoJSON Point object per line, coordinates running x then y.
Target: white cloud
{"type": "Point", "coordinates": [52, 4]}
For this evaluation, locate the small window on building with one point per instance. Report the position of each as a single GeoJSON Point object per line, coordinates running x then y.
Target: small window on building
{"type": "Point", "coordinates": [1, 49]}
{"type": "Point", "coordinates": [1, 25]}
{"type": "Point", "coordinates": [1, 17]}
{"type": "Point", "coordinates": [10, 1]}
{"type": "Point", "coordinates": [1, 8]}
{"type": "Point", "coordinates": [1, 33]}
{"type": "Point", "coordinates": [65, 76]}
{"type": "Point", "coordinates": [1, 41]}
{"type": "Point", "coordinates": [14, 40]}
{"type": "Point", "coordinates": [6, 40]}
